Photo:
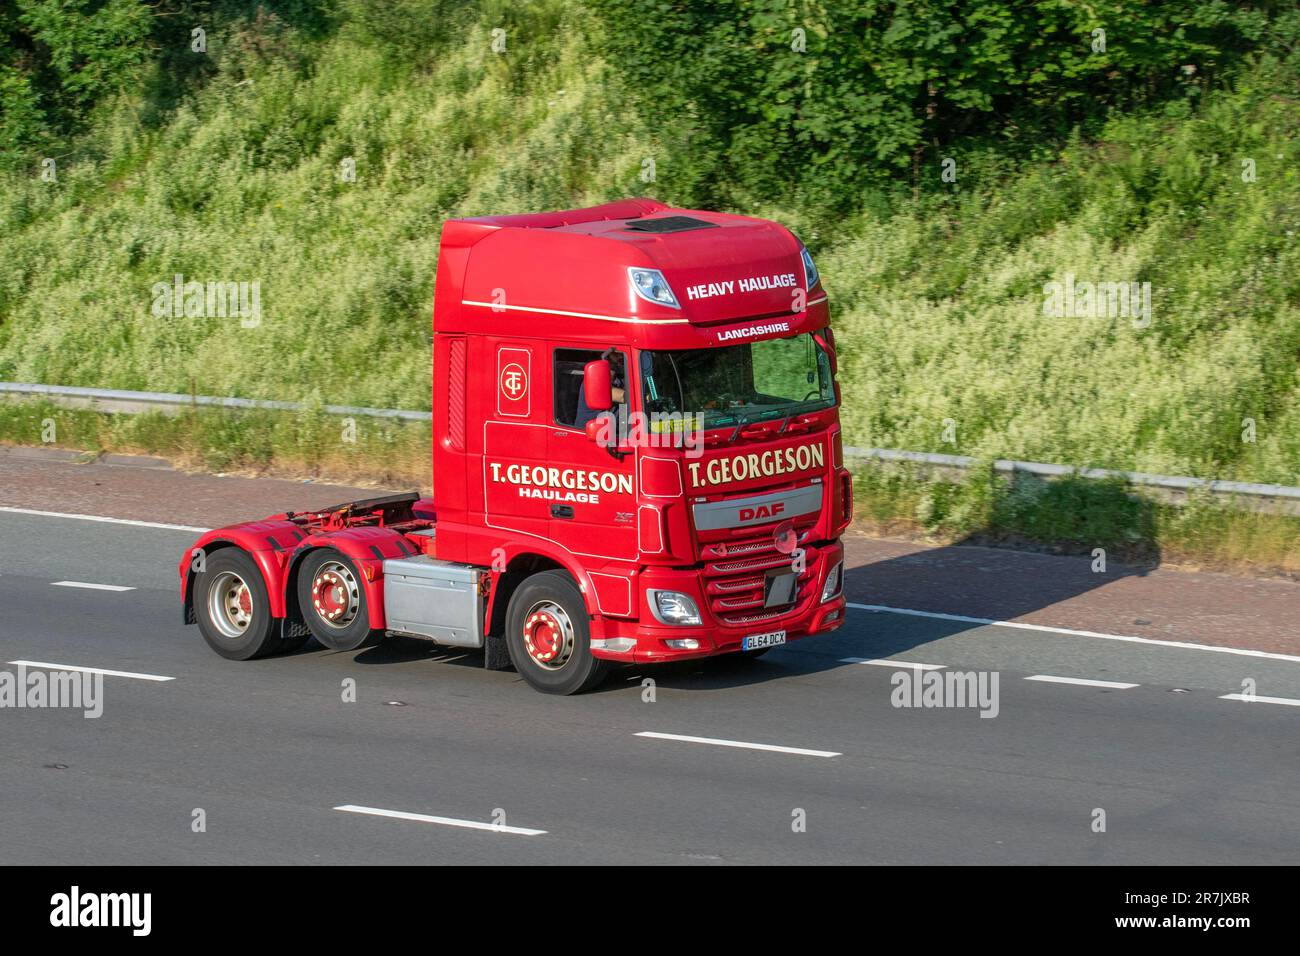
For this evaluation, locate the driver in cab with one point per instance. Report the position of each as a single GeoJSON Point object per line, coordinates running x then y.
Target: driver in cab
{"type": "Point", "coordinates": [617, 392]}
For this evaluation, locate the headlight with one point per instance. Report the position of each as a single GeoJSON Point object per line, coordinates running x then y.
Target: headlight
{"type": "Point", "coordinates": [651, 285]}
{"type": "Point", "coordinates": [833, 581]}
{"type": "Point", "coordinates": [673, 607]}
{"type": "Point", "coordinates": [810, 274]}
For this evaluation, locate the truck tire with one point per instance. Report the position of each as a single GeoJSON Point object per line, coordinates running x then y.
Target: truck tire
{"type": "Point", "coordinates": [232, 607]}
{"type": "Point", "coordinates": [549, 636]}
{"type": "Point", "coordinates": [332, 601]}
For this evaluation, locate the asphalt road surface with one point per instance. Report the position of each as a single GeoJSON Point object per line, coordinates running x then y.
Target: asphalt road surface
{"type": "Point", "coordinates": [801, 757]}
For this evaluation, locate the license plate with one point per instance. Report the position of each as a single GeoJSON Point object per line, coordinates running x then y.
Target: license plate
{"type": "Point", "coordinates": [754, 641]}
{"type": "Point", "coordinates": [779, 587]}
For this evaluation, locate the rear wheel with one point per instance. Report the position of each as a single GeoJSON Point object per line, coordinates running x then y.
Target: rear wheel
{"type": "Point", "coordinates": [548, 635]}
{"type": "Point", "coordinates": [332, 601]}
{"type": "Point", "coordinates": [232, 607]}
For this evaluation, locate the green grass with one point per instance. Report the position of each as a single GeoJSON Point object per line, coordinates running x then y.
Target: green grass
{"type": "Point", "coordinates": [1067, 515]}
{"type": "Point", "coordinates": [305, 444]}
{"type": "Point", "coordinates": [941, 305]}
{"type": "Point", "coordinates": [937, 299]}
{"type": "Point", "coordinates": [1073, 515]}
{"type": "Point", "coordinates": [243, 183]}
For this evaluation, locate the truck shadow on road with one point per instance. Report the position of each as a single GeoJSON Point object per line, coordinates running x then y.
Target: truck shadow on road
{"type": "Point", "coordinates": [964, 579]}
{"type": "Point", "coordinates": [967, 579]}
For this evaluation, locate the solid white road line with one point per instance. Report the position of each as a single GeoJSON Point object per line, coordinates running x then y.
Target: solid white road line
{"type": "Point", "coordinates": [134, 524]}
{"type": "Point", "coordinates": [445, 821]}
{"type": "Point", "coordinates": [1185, 645]}
{"type": "Point", "coordinates": [88, 585]}
{"type": "Point", "coordinates": [885, 662]}
{"type": "Point", "coordinates": [90, 670]}
{"type": "Point", "coordinates": [1256, 699]}
{"type": "Point", "coordinates": [739, 743]}
{"type": "Point", "coordinates": [1082, 681]}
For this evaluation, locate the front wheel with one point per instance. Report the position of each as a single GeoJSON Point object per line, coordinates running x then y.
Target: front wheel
{"type": "Point", "coordinates": [549, 637]}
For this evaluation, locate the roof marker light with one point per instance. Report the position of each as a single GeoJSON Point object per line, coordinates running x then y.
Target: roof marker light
{"type": "Point", "coordinates": [651, 285]}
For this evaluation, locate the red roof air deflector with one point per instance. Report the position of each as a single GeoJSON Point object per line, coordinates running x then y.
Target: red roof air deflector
{"type": "Point", "coordinates": [623, 209]}
{"type": "Point", "coordinates": [564, 275]}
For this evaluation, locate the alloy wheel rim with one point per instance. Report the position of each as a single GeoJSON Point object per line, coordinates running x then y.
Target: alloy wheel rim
{"type": "Point", "coordinates": [335, 594]}
{"type": "Point", "coordinates": [230, 605]}
{"type": "Point", "coordinates": [549, 635]}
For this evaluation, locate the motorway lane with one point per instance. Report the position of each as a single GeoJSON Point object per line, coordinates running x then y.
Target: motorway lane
{"type": "Point", "coordinates": [998, 583]}
{"type": "Point", "coordinates": [53, 549]}
{"type": "Point", "coordinates": [268, 748]}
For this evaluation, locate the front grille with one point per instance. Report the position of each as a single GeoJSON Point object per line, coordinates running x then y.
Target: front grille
{"type": "Point", "coordinates": [755, 564]}
{"type": "Point", "coordinates": [734, 578]}
{"type": "Point", "coordinates": [763, 544]}
{"type": "Point", "coordinates": [756, 618]}
{"type": "Point", "coordinates": [734, 584]}
{"type": "Point", "coordinates": [748, 547]}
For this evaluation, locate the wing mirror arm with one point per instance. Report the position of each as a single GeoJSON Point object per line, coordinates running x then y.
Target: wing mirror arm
{"type": "Point", "coordinates": [601, 433]}
{"type": "Point", "coordinates": [827, 341]}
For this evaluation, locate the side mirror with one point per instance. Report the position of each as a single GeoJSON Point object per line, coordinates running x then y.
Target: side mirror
{"type": "Point", "coordinates": [597, 388]}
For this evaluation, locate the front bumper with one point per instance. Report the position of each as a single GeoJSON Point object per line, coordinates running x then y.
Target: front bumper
{"type": "Point", "coordinates": [646, 641]}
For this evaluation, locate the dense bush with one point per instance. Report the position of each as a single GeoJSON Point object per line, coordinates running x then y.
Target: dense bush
{"type": "Point", "coordinates": [945, 297]}
{"type": "Point", "coordinates": [858, 94]}
{"type": "Point", "coordinates": [227, 166]}
{"type": "Point", "coordinates": [58, 58]}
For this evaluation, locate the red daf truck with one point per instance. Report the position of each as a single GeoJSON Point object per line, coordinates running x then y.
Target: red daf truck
{"type": "Point", "coordinates": [636, 458]}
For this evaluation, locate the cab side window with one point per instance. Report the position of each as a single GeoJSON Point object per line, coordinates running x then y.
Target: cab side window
{"type": "Point", "coordinates": [567, 380]}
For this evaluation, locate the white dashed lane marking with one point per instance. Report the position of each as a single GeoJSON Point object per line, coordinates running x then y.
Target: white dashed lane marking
{"type": "Point", "coordinates": [44, 665]}
{"type": "Point", "coordinates": [885, 662]}
{"type": "Point", "coordinates": [1256, 699]}
{"type": "Point", "coordinates": [744, 745]}
{"type": "Point", "coordinates": [1082, 681]}
{"type": "Point", "coordinates": [91, 587]}
{"type": "Point", "coordinates": [442, 821]}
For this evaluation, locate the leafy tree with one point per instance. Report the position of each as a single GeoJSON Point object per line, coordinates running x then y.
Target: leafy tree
{"type": "Point", "coordinates": [853, 93]}
{"type": "Point", "coordinates": [58, 58]}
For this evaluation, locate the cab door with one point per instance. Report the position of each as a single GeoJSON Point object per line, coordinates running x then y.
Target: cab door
{"type": "Point", "coordinates": [515, 452]}
{"type": "Point", "coordinates": [594, 511]}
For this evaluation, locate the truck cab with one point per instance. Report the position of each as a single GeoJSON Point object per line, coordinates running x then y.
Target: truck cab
{"type": "Point", "coordinates": [636, 458]}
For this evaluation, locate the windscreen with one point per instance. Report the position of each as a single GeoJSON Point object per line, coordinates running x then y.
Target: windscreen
{"type": "Point", "coordinates": [739, 384]}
